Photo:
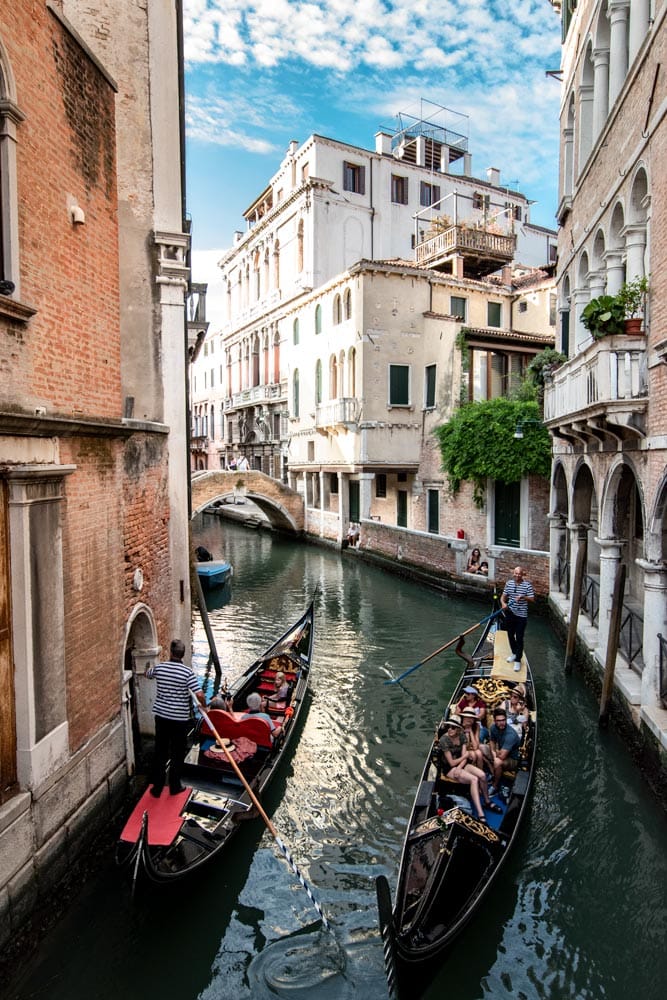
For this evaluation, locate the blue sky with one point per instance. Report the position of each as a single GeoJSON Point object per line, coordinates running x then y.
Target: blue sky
{"type": "Point", "coordinates": [262, 72]}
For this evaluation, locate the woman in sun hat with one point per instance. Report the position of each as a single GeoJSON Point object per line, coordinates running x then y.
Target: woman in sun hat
{"type": "Point", "coordinates": [457, 766]}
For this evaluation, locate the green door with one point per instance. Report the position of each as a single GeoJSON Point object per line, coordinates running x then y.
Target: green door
{"type": "Point", "coordinates": [433, 511]}
{"type": "Point", "coordinates": [402, 508]}
{"type": "Point", "coordinates": [508, 514]}
{"type": "Point", "coordinates": [354, 501]}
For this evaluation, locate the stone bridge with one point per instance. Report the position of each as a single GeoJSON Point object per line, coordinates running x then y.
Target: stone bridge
{"type": "Point", "coordinates": [283, 507]}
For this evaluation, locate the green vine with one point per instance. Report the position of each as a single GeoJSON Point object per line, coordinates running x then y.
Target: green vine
{"type": "Point", "coordinates": [478, 444]}
{"type": "Point", "coordinates": [462, 344]}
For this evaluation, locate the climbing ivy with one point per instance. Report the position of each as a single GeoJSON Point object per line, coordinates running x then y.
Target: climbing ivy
{"type": "Point", "coordinates": [478, 444]}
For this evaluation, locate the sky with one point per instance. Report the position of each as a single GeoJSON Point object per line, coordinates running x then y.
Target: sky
{"type": "Point", "coordinates": [260, 73]}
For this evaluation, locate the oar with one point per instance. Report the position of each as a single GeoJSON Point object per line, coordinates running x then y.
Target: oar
{"type": "Point", "coordinates": [451, 642]}
{"type": "Point", "coordinates": [269, 825]}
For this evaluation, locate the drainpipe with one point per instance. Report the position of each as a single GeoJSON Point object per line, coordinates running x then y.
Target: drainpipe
{"type": "Point", "coordinates": [370, 191]}
{"type": "Point", "coordinates": [186, 228]}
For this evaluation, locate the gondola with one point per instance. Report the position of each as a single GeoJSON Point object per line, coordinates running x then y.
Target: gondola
{"type": "Point", "coordinates": [450, 859]}
{"type": "Point", "coordinates": [171, 837]}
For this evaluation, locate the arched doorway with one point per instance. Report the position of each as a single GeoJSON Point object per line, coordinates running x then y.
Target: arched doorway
{"type": "Point", "coordinates": [140, 652]}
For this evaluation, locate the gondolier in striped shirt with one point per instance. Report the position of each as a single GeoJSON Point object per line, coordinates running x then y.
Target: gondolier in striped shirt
{"type": "Point", "coordinates": [515, 598]}
{"type": "Point", "coordinates": [175, 681]}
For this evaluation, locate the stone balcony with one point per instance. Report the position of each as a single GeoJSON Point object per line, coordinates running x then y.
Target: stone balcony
{"type": "Point", "coordinates": [600, 394]}
{"type": "Point", "coordinates": [482, 251]}
{"type": "Point", "coordinates": [271, 393]}
{"type": "Point", "coordinates": [335, 414]}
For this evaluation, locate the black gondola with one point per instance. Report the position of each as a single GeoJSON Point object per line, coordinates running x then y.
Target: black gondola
{"type": "Point", "coordinates": [450, 859]}
{"type": "Point", "coordinates": [175, 835]}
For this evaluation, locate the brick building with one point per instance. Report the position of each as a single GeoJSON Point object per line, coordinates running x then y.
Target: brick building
{"type": "Point", "coordinates": [93, 496]}
{"type": "Point", "coordinates": [606, 406]}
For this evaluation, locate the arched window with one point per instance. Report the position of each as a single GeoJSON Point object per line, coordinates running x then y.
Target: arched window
{"type": "Point", "coordinates": [318, 319]}
{"type": "Point", "coordinates": [333, 377]}
{"type": "Point", "coordinates": [348, 304]}
{"type": "Point", "coordinates": [318, 383]}
{"type": "Point", "coordinates": [299, 248]}
{"type": "Point", "coordinates": [295, 332]}
{"type": "Point", "coordinates": [276, 357]}
{"type": "Point", "coordinates": [10, 117]}
{"type": "Point", "coordinates": [212, 422]}
{"type": "Point", "coordinates": [337, 310]}
{"type": "Point", "coordinates": [351, 373]}
{"type": "Point", "coordinates": [276, 265]}
{"type": "Point", "coordinates": [295, 393]}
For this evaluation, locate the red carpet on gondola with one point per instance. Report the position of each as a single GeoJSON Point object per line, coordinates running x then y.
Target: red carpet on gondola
{"type": "Point", "coordinates": [164, 817]}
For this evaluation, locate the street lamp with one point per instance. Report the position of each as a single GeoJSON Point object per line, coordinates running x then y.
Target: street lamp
{"type": "Point", "coordinates": [520, 424]}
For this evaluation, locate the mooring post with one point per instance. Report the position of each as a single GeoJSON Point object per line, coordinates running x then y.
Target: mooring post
{"type": "Point", "coordinates": [575, 602]}
{"type": "Point", "coordinates": [612, 644]}
{"type": "Point", "coordinates": [203, 610]}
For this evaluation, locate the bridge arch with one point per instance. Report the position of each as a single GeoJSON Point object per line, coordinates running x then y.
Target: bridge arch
{"type": "Point", "coordinates": [282, 505]}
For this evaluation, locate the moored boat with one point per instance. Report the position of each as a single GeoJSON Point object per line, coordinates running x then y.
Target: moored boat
{"type": "Point", "coordinates": [214, 572]}
{"type": "Point", "coordinates": [451, 859]}
{"type": "Point", "coordinates": [172, 836]}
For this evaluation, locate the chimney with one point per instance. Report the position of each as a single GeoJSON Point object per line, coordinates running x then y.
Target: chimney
{"type": "Point", "coordinates": [293, 146]}
{"type": "Point", "coordinates": [383, 143]}
{"type": "Point", "coordinates": [493, 176]}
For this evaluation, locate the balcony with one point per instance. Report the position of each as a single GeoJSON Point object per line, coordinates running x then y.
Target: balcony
{"type": "Point", "coordinates": [198, 442]}
{"type": "Point", "coordinates": [601, 395]}
{"type": "Point", "coordinates": [257, 394]}
{"type": "Point", "coordinates": [482, 251]}
{"type": "Point", "coordinates": [337, 414]}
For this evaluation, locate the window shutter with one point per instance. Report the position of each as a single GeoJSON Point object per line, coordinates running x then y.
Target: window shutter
{"type": "Point", "coordinates": [362, 180]}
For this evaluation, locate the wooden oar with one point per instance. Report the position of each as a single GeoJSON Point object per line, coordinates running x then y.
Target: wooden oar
{"type": "Point", "coordinates": [443, 648]}
{"type": "Point", "coordinates": [269, 825]}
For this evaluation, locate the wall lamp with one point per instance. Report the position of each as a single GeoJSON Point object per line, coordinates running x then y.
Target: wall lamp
{"type": "Point", "coordinates": [520, 424]}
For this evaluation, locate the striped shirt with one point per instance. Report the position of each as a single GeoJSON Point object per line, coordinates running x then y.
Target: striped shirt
{"type": "Point", "coordinates": [174, 682]}
{"type": "Point", "coordinates": [512, 591]}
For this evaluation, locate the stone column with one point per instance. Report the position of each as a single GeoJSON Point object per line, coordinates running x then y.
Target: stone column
{"type": "Point", "coordinates": [610, 557]}
{"type": "Point", "coordinates": [615, 271]}
{"type": "Point", "coordinates": [322, 474]}
{"type": "Point", "coordinates": [343, 505]}
{"type": "Point", "coordinates": [639, 18]}
{"type": "Point", "coordinates": [618, 47]}
{"type": "Point", "coordinates": [558, 551]}
{"type": "Point", "coordinates": [655, 621]}
{"type": "Point", "coordinates": [635, 247]}
{"type": "Point", "coordinates": [365, 481]}
{"type": "Point", "coordinates": [586, 132]}
{"type": "Point", "coordinates": [568, 161]}
{"type": "Point", "coordinates": [578, 534]}
{"type": "Point", "coordinates": [601, 89]}
{"type": "Point", "coordinates": [597, 281]}
{"type": "Point", "coordinates": [580, 299]}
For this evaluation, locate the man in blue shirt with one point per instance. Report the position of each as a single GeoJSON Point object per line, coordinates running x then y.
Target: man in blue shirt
{"type": "Point", "coordinates": [515, 598]}
{"type": "Point", "coordinates": [504, 742]}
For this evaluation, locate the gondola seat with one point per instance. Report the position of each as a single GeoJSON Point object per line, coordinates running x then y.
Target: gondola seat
{"type": "Point", "coordinates": [257, 730]}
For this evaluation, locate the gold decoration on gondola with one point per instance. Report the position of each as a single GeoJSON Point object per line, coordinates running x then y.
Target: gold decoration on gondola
{"type": "Point", "coordinates": [492, 689]}
{"type": "Point", "coordinates": [474, 825]}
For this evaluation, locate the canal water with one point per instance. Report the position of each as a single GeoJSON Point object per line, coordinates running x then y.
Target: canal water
{"type": "Point", "coordinates": [579, 911]}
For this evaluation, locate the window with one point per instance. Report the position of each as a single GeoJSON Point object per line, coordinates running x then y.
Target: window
{"type": "Point", "coordinates": [348, 304]}
{"type": "Point", "coordinates": [337, 310]}
{"type": "Point", "coordinates": [494, 374]}
{"type": "Point", "coordinates": [433, 512]}
{"type": "Point", "coordinates": [399, 385]}
{"type": "Point", "coordinates": [429, 387]}
{"type": "Point", "coordinates": [295, 332]}
{"type": "Point", "coordinates": [402, 477]}
{"type": "Point", "coordinates": [10, 117]}
{"type": "Point", "coordinates": [381, 485]}
{"type": "Point", "coordinates": [354, 178]}
{"type": "Point", "coordinates": [494, 312]}
{"type": "Point", "coordinates": [523, 306]}
{"type": "Point", "coordinates": [318, 319]}
{"type": "Point", "coordinates": [480, 201]}
{"type": "Point", "coordinates": [458, 307]}
{"type": "Point", "coordinates": [429, 194]}
{"type": "Point", "coordinates": [399, 190]}
{"type": "Point", "coordinates": [295, 393]}
{"type": "Point", "coordinates": [402, 508]}
{"type": "Point", "coordinates": [513, 211]}
{"type": "Point", "coordinates": [318, 383]}
{"type": "Point", "coordinates": [212, 377]}
{"type": "Point", "coordinates": [333, 483]}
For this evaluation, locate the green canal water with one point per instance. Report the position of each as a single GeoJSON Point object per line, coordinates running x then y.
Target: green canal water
{"type": "Point", "coordinates": [579, 911]}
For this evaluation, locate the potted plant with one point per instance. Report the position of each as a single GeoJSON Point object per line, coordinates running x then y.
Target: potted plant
{"type": "Point", "coordinates": [604, 316]}
{"type": "Point", "coordinates": [632, 296]}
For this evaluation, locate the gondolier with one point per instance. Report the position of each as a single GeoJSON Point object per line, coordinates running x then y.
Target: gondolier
{"type": "Point", "coordinates": [175, 680]}
{"type": "Point", "coordinates": [515, 598]}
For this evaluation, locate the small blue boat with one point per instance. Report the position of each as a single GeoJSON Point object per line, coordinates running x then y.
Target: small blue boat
{"type": "Point", "coordinates": [214, 572]}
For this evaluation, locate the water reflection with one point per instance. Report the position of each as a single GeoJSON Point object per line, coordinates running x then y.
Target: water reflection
{"type": "Point", "coordinates": [578, 911]}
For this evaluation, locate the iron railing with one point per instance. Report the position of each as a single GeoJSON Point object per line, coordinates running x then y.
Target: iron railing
{"type": "Point", "coordinates": [631, 638]}
{"type": "Point", "coordinates": [662, 670]}
{"type": "Point", "coordinates": [563, 575]}
{"type": "Point", "coordinates": [590, 598]}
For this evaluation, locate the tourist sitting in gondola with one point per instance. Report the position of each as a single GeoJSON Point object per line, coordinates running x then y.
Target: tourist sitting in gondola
{"type": "Point", "coordinates": [504, 742]}
{"type": "Point", "coordinates": [254, 711]}
{"type": "Point", "coordinates": [516, 709]}
{"type": "Point", "coordinates": [472, 733]}
{"type": "Point", "coordinates": [471, 699]}
{"type": "Point", "coordinates": [282, 689]}
{"type": "Point", "coordinates": [457, 767]}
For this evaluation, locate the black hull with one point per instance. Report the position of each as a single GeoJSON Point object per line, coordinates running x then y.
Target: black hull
{"type": "Point", "coordinates": [450, 860]}
{"type": "Point", "coordinates": [219, 805]}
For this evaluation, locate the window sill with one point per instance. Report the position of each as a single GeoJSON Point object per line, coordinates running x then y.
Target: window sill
{"type": "Point", "coordinates": [15, 310]}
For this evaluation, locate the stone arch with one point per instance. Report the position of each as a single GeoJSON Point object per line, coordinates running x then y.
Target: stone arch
{"type": "Point", "coordinates": [333, 377]}
{"type": "Point", "coordinates": [560, 536]}
{"type": "Point", "coordinates": [598, 250]}
{"type": "Point", "coordinates": [638, 196]}
{"type": "Point", "coordinates": [283, 506]}
{"type": "Point", "coordinates": [622, 517]}
{"type": "Point", "coordinates": [559, 496]}
{"type": "Point", "coordinates": [568, 147]}
{"type": "Point", "coordinates": [656, 535]}
{"type": "Point", "coordinates": [140, 651]}
{"type": "Point", "coordinates": [616, 227]}
{"type": "Point", "coordinates": [584, 507]}
{"type": "Point", "coordinates": [586, 98]}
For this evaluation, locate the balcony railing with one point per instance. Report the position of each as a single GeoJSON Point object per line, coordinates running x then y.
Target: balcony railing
{"type": "Point", "coordinates": [464, 240]}
{"type": "Point", "coordinates": [257, 394]}
{"type": "Point", "coordinates": [337, 412]}
{"type": "Point", "coordinates": [604, 387]}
